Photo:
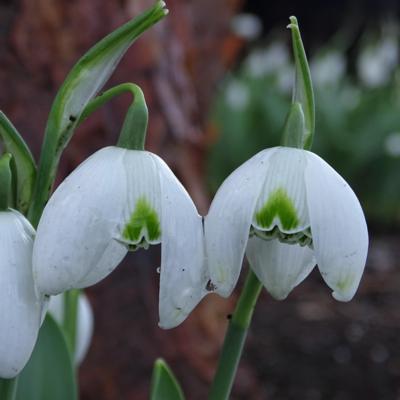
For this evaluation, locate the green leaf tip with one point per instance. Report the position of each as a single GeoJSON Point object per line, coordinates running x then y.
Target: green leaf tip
{"type": "Point", "coordinates": [164, 385]}
{"type": "Point", "coordinates": [303, 90]}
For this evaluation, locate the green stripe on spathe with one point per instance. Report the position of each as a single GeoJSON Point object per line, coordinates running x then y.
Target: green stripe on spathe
{"type": "Point", "coordinates": [278, 205]}
{"type": "Point", "coordinates": [143, 218]}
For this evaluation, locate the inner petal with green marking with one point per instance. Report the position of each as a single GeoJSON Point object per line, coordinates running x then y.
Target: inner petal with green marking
{"type": "Point", "coordinates": [143, 226]}
{"type": "Point", "coordinates": [278, 206]}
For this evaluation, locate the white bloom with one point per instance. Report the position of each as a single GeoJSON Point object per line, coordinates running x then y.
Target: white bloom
{"type": "Point", "coordinates": [328, 68]}
{"type": "Point", "coordinates": [84, 326]}
{"type": "Point", "coordinates": [20, 307]}
{"type": "Point", "coordinates": [298, 212]}
{"type": "Point", "coordinates": [376, 63]}
{"type": "Point", "coordinates": [246, 26]}
{"type": "Point", "coordinates": [267, 61]}
{"type": "Point", "coordinates": [237, 95]}
{"type": "Point", "coordinates": [392, 144]}
{"type": "Point", "coordinates": [117, 200]}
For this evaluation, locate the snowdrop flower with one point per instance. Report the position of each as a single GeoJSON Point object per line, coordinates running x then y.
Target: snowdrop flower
{"type": "Point", "coordinates": [20, 306]}
{"type": "Point", "coordinates": [115, 201]}
{"type": "Point", "coordinates": [84, 326]}
{"type": "Point", "coordinates": [376, 63]}
{"type": "Point", "coordinates": [237, 95]}
{"type": "Point", "coordinates": [291, 210]}
{"type": "Point", "coordinates": [267, 61]}
{"type": "Point", "coordinates": [328, 68]}
{"type": "Point", "coordinates": [246, 26]}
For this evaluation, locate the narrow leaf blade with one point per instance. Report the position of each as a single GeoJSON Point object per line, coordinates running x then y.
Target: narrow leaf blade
{"type": "Point", "coordinates": [22, 163]}
{"type": "Point", "coordinates": [49, 374]}
{"type": "Point", "coordinates": [83, 82]}
{"type": "Point", "coordinates": [164, 385]}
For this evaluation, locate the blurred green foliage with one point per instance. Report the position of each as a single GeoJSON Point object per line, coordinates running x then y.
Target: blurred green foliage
{"type": "Point", "coordinates": [357, 118]}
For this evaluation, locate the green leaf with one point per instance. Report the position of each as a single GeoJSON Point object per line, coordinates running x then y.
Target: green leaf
{"type": "Point", "coordinates": [303, 91]}
{"type": "Point", "coordinates": [49, 374]}
{"type": "Point", "coordinates": [164, 385]}
{"type": "Point", "coordinates": [5, 181]}
{"type": "Point", "coordinates": [86, 78]}
{"type": "Point", "coordinates": [22, 163]}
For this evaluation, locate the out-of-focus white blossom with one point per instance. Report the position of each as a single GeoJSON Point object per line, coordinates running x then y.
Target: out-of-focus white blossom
{"type": "Point", "coordinates": [377, 62]}
{"type": "Point", "coordinates": [247, 26]}
{"type": "Point", "coordinates": [328, 68]}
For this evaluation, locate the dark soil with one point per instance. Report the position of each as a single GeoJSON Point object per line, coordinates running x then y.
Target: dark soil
{"type": "Point", "coordinates": [307, 347]}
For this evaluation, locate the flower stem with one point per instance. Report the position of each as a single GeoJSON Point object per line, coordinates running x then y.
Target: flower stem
{"type": "Point", "coordinates": [70, 320]}
{"type": "Point", "coordinates": [235, 338]}
{"type": "Point", "coordinates": [8, 388]}
{"type": "Point", "coordinates": [133, 133]}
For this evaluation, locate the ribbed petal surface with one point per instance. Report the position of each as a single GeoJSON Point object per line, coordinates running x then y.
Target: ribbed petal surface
{"type": "Point", "coordinates": [279, 266]}
{"type": "Point", "coordinates": [184, 275]}
{"type": "Point", "coordinates": [76, 243]}
{"type": "Point", "coordinates": [228, 222]}
{"type": "Point", "coordinates": [282, 201]}
{"type": "Point", "coordinates": [338, 226]}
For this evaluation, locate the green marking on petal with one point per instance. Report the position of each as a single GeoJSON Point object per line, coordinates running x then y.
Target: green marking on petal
{"type": "Point", "coordinates": [144, 218]}
{"type": "Point", "coordinates": [278, 205]}
{"type": "Point", "coordinates": [344, 284]}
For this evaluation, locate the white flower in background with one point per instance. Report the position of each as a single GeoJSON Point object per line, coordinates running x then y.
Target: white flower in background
{"type": "Point", "coordinates": [237, 95]}
{"type": "Point", "coordinates": [392, 144]}
{"type": "Point", "coordinates": [247, 26]}
{"type": "Point", "coordinates": [284, 79]}
{"type": "Point", "coordinates": [20, 307]}
{"type": "Point", "coordinates": [328, 68]}
{"type": "Point", "coordinates": [117, 200]}
{"type": "Point", "coordinates": [291, 210]}
{"type": "Point", "coordinates": [266, 61]}
{"type": "Point", "coordinates": [84, 324]}
{"type": "Point", "coordinates": [376, 63]}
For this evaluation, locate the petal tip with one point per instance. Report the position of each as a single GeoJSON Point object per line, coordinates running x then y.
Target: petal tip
{"type": "Point", "coordinates": [343, 297]}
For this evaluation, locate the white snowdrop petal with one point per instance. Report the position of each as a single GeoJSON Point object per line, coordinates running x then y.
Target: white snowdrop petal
{"type": "Point", "coordinates": [85, 322]}
{"type": "Point", "coordinates": [339, 230]}
{"type": "Point", "coordinates": [183, 275]}
{"type": "Point", "coordinates": [228, 222]}
{"type": "Point", "coordinates": [142, 205]}
{"type": "Point", "coordinates": [282, 201]}
{"type": "Point", "coordinates": [20, 307]}
{"type": "Point", "coordinates": [78, 230]}
{"type": "Point", "coordinates": [279, 266]}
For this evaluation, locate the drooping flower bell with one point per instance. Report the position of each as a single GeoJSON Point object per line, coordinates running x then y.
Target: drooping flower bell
{"type": "Point", "coordinates": [122, 199]}
{"type": "Point", "coordinates": [291, 210]}
{"type": "Point", "coordinates": [288, 210]}
{"type": "Point", "coordinates": [20, 306]}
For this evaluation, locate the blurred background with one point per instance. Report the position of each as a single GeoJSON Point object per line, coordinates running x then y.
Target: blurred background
{"type": "Point", "coordinates": [217, 76]}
